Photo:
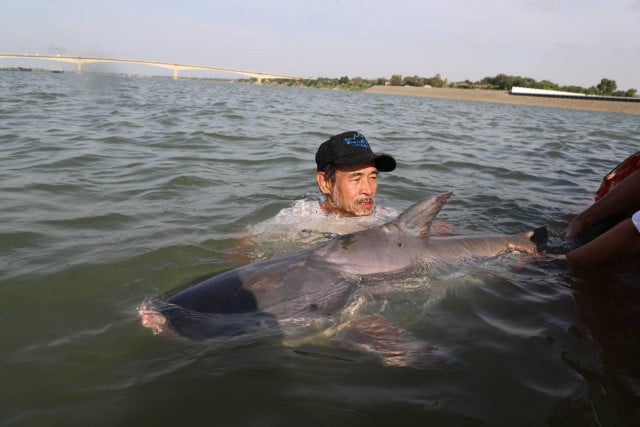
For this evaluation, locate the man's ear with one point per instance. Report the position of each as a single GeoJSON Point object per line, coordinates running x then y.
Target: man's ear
{"type": "Point", "coordinates": [324, 183]}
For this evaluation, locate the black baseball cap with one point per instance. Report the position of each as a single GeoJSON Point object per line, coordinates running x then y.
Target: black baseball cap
{"type": "Point", "coordinates": [350, 149]}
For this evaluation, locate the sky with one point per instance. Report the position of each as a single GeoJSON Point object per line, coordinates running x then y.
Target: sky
{"type": "Point", "coordinates": [569, 42]}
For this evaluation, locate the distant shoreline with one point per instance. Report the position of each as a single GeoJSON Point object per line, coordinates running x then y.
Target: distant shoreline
{"type": "Point", "coordinates": [501, 97]}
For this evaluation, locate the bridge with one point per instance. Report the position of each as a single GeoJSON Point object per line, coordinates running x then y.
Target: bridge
{"type": "Point", "coordinates": [81, 60]}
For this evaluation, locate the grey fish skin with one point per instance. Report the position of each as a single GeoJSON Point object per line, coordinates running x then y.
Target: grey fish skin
{"type": "Point", "coordinates": [318, 285]}
{"type": "Point", "coordinates": [319, 280]}
{"type": "Point", "coordinates": [404, 244]}
{"type": "Point", "coordinates": [367, 253]}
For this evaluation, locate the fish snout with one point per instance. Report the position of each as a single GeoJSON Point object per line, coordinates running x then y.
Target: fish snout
{"type": "Point", "coordinates": [153, 319]}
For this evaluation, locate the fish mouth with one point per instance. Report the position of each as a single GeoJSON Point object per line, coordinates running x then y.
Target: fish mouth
{"type": "Point", "coordinates": [154, 319]}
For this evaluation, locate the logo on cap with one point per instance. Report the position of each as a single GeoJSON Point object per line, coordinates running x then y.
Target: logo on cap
{"type": "Point", "coordinates": [357, 140]}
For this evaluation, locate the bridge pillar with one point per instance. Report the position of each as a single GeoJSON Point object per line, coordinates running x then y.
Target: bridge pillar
{"type": "Point", "coordinates": [79, 67]}
{"type": "Point", "coordinates": [175, 73]}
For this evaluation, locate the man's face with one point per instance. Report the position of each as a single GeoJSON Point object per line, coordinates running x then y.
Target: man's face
{"type": "Point", "coordinates": [354, 190]}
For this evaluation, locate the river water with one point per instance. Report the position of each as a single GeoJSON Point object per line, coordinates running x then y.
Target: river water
{"type": "Point", "coordinates": [113, 189]}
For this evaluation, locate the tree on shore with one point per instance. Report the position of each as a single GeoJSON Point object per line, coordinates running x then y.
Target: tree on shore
{"type": "Point", "coordinates": [436, 81]}
{"type": "Point", "coordinates": [396, 80]}
{"type": "Point", "coordinates": [606, 87]}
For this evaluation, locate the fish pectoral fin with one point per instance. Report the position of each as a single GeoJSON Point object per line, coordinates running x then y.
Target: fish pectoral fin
{"type": "Point", "coordinates": [375, 334]}
{"type": "Point", "coordinates": [395, 346]}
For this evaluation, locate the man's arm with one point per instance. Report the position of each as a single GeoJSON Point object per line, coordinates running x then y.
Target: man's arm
{"type": "Point", "coordinates": [620, 243]}
{"type": "Point", "coordinates": [622, 200]}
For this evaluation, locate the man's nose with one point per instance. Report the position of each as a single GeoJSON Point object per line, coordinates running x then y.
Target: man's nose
{"type": "Point", "coordinates": [366, 187]}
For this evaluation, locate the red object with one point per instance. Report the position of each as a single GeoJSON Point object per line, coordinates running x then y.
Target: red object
{"type": "Point", "coordinates": [618, 174]}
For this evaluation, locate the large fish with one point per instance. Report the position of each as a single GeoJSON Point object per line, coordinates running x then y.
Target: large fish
{"type": "Point", "coordinates": [318, 295]}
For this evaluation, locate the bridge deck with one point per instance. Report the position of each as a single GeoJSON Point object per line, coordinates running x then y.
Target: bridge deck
{"type": "Point", "coordinates": [81, 60]}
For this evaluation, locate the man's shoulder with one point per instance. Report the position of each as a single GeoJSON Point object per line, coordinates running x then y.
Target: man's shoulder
{"type": "Point", "coordinates": [307, 215]}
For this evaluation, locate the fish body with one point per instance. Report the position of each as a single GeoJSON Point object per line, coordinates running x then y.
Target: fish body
{"type": "Point", "coordinates": [320, 287]}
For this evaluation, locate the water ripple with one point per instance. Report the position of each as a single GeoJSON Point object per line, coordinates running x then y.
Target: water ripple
{"type": "Point", "coordinates": [118, 188]}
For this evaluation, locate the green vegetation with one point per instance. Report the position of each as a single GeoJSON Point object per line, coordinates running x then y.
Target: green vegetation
{"type": "Point", "coordinates": [342, 83]}
{"type": "Point", "coordinates": [606, 87]}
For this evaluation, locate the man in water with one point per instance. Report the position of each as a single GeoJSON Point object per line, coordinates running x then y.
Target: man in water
{"type": "Point", "coordinates": [348, 173]}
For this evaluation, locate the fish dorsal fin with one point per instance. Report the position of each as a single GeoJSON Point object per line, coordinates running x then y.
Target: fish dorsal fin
{"type": "Point", "coordinates": [416, 220]}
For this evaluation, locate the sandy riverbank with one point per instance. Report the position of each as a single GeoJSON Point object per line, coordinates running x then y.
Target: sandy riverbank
{"type": "Point", "coordinates": [505, 98]}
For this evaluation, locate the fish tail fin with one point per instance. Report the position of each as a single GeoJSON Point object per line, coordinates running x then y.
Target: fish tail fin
{"type": "Point", "coordinates": [539, 236]}
{"type": "Point", "coordinates": [532, 241]}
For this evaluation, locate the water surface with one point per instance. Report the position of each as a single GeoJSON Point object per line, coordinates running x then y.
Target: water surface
{"type": "Point", "coordinates": [113, 189]}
